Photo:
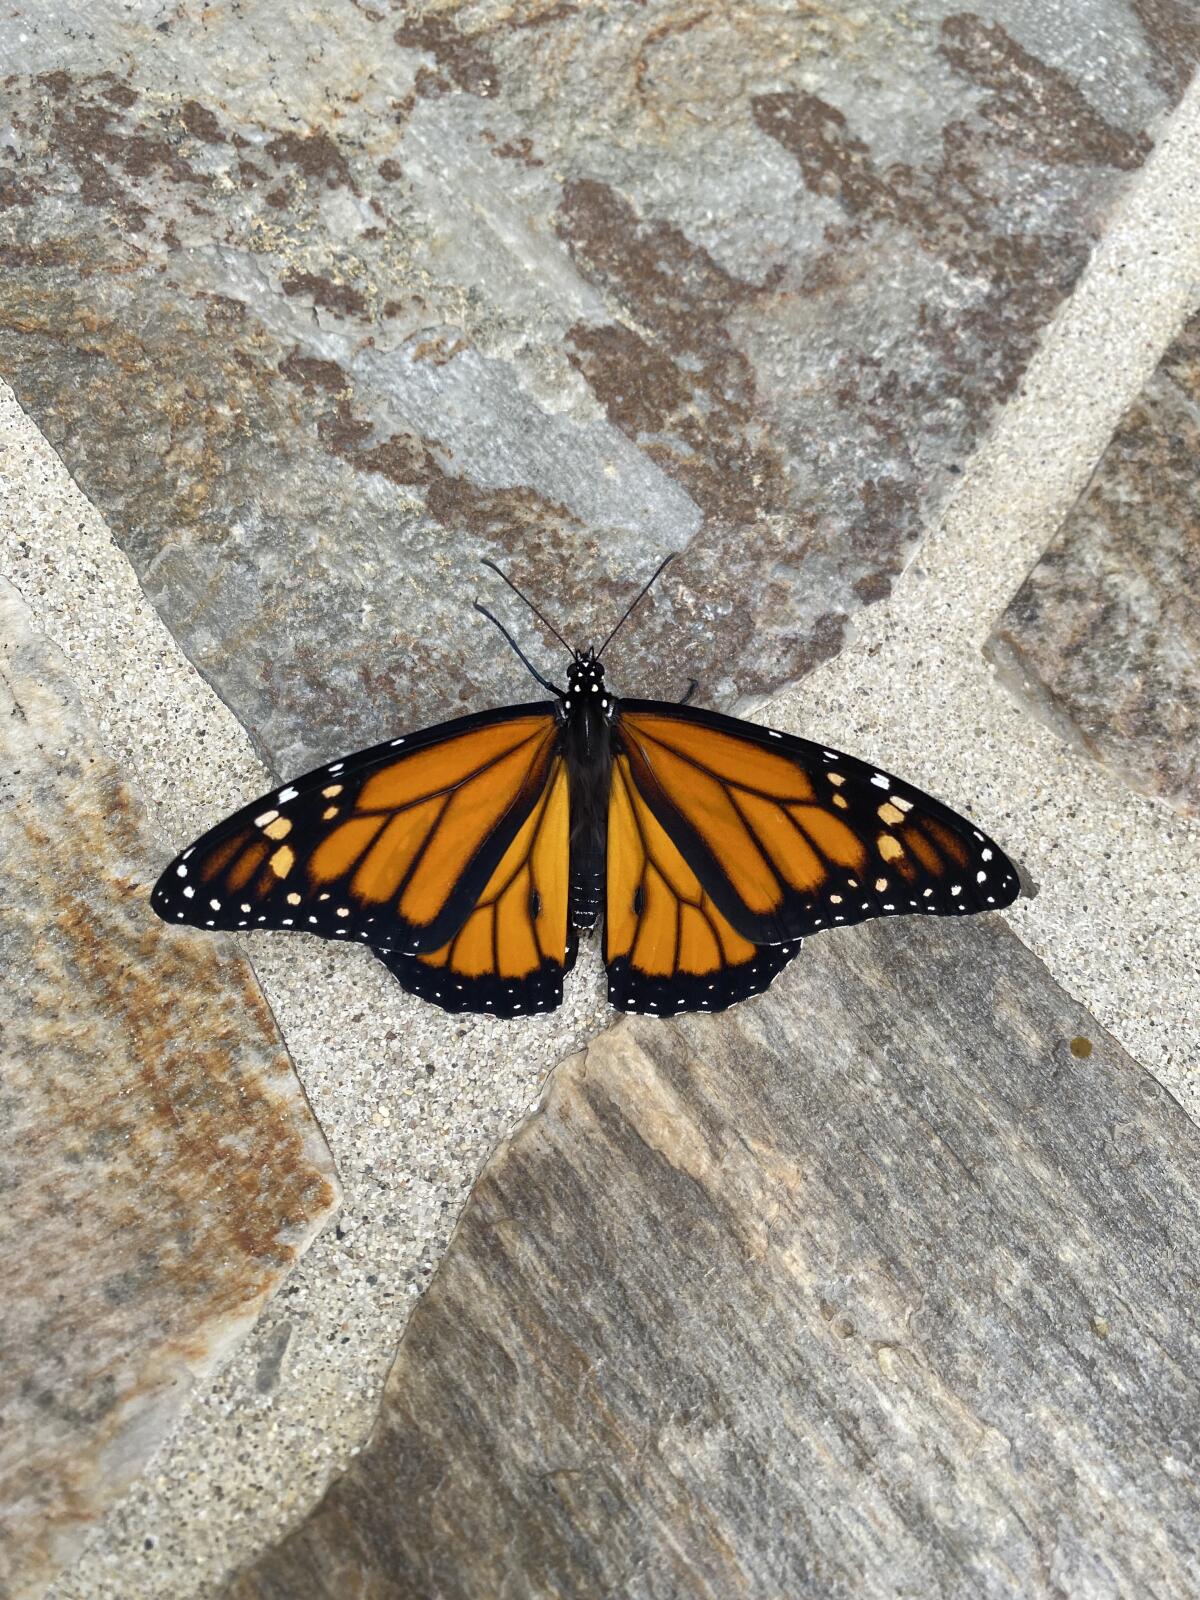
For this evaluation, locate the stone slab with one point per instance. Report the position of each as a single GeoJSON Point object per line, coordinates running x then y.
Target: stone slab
{"type": "Point", "coordinates": [1102, 639]}
{"type": "Point", "coordinates": [160, 1168]}
{"type": "Point", "coordinates": [321, 306]}
{"type": "Point", "coordinates": [876, 1285]}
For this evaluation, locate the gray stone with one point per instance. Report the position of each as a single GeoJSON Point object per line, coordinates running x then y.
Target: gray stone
{"type": "Point", "coordinates": [875, 1285]}
{"type": "Point", "coordinates": [321, 305]}
{"type": "Point", "coordinates": [160, 1169]}
{"type": "Point", "coordinates": [1103, 637]}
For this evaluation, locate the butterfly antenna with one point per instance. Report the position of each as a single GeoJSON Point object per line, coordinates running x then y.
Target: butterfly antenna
{"type": "Point", "coordinates": [529, 666]}
{"type": "Point", "coordinates": [636, 601]}
{"type": "Point", "coordinates": [543, 620]}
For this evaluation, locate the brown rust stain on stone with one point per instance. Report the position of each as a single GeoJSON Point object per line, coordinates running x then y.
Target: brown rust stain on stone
{"type": "Point", "coordinates": [1172, 30]}
{"type": "Point", "coordinates": [673, 381]}
{"type": "Point", "coordinates": [463, 62]}
{"type": "Point", "coordinates": [342, 298]}
{"type": "Point", "coordinates": [314, 155]}
{"type": "Point", "coordinates": [86, 127]}
{"type": "Point", "coordinates": [1035, 108]}
{"type": "Point", "coordinates": [515, 514]}
{"type": "Point", "coordinates": [201, 123]}
{"type": "Point", "coordinates": [311, 373]}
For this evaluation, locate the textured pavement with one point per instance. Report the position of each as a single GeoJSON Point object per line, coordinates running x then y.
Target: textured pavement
{"type": "Point", "coordinates": [747, 310]}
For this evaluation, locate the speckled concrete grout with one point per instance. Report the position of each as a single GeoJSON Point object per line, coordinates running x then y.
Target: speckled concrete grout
{"type": "Point", "coordinates": [410, 1100]}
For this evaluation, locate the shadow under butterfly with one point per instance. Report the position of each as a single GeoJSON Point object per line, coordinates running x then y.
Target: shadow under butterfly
{"type": "Point", "coordinates": [470, 856]}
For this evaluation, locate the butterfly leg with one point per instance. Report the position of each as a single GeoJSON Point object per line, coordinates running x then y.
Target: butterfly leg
{"type": "Point", "coordinates": [692, 687]}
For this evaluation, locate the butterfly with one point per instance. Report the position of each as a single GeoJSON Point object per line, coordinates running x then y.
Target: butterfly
{"type": "Point", "coordinates": [471, 856]}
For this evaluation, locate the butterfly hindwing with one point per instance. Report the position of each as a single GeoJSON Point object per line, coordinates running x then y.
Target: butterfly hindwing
{"type": "Point", "coordinates": [667, 946]}
{"type": "Point", "coordinates": [392, 846]}
{"type": "Point", "coordinates": [514, 947]}
{"type": "Point", "coordinates": [788, 837]}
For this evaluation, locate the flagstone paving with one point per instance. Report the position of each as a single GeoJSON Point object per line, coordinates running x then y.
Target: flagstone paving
{"type": "Point", "coordinates": [318, 309]}
{"type": "Point", "coordinates": [383, 291]}
{"type": "Point", "coordinates": [161, 1171]}
{"type": "Point", "coordinates": [871, 1288]}
{"type": "Point", "coordinates": [1103, 637]}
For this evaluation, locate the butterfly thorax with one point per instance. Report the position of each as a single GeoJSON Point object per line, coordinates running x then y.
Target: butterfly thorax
{"type": "Point", "coordinates": [587, 710]}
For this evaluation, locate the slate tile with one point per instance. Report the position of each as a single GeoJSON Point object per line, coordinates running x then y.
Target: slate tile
{"type": "Point", "coordinates": [319, 310]}
{"type": "Point", "coordinates": [874, 1285]}
{"type": "Point", "coordinates": [1102, 640]}
{"type": "Point", "coordinates": [160, 1169]}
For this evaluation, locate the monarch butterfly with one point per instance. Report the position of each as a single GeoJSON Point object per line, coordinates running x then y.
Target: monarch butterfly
{"type": "Point", "coordinates": [470, 856]}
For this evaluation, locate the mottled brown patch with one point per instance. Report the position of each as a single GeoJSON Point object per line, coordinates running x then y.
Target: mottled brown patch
{"type": "Point", "coordinates": [121, 95]}
{"type": "Point", "coordinates": [466, 63]}
{"type": "Point", "coordinates": [201, 123]}
{"type": "Point", "coordinates": [312, 373]}
{"type": "Point", "coordinates": [313, 154]}
{"type": "Point", "coordinates": [391, 170]}
{"type": "Point", "coordinates": [323, 292]}
{"type": "Point", "coordinates": [16, 190]}
{"type": "Point", "coordinates": [518, 150]}
{"type": "Point", "coordinates": [1035, 108]}
{"type": "Point", "coordinates": [89, 132]}
{"type": "Point", "coordinates": [510, 514]}
{"type": "Point", "coordinates": [1173, 32]}
{"type": "Point", "coordinates": [1081, 1047]}
{"type": "Point", "coordinates": [682, 380]}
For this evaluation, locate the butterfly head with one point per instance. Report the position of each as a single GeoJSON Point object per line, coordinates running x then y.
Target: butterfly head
{"type": "Point", "coordinates": [586, 691]}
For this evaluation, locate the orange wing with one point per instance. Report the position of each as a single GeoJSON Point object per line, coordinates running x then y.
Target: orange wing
{"type": "Point", "coordinates": [787, 837]}
{"type": "Point", "coordinates": [667, 946]}
{"type": "Point", "coordinates": [393, 846]}
{"type": "Point", "coordinates": [512, 951]}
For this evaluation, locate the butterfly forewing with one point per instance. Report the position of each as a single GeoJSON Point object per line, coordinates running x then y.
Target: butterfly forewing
{"type": "Point", "coordinates": [788, 837]}
{"type": "Point", "coordinates": [513, 949]}
{"type": "Point", "coordinates": [393, 846]}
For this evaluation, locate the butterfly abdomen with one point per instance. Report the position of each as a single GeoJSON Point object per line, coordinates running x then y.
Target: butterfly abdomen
{"type": "Point", "coordinates": [587, 748]}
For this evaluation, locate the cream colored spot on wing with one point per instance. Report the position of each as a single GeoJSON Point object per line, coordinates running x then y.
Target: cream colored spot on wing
{"type": "Point", "coordinates": [889, 847]}
{"type": "Point", "coordinates": [841, 802]}
{"type": "Point", "coordinates": [282, 862]}
{"type": "Point", "coordinates": [890, 814]}
{"type": "Point", "coordinates": [279, 829]}
{"type": "Point", "coordinates": [880, 885]}
{"type": "Point", "coordinates": [266, 818]}
{"type": "Point", "coordinates": [836, 779]}
{"type": "Point", "coordinates": [293, 899]}
{"type": "Point", "coordinates": [329, 813]}
{"type": "Point", "coordinates": [333, 789]}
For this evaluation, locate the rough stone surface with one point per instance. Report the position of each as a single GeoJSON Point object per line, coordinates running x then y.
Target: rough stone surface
{"type": "Point", "coordinates": [160, 1170]}
{"type": "Point", "coordinates": [878, 1285]}
{"type": "Point", "coordinates": [1103, 637]}
{"type": "Point", "coordinates": [381, 290]}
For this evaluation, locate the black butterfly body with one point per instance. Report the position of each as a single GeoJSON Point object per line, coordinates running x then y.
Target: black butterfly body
{"type": "Point", "coordinates": [471, 855]}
